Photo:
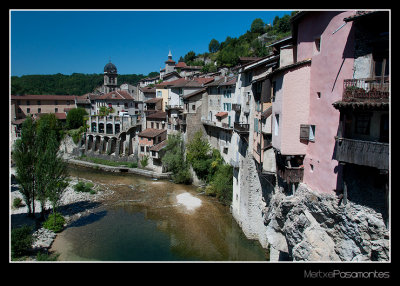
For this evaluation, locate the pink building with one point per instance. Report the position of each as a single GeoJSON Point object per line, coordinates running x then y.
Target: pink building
{"type": "Point", "coordinates": [304, 121]}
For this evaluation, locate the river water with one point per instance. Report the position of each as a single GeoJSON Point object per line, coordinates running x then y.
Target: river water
{"type": "Point", "coordinates": [153, 220]}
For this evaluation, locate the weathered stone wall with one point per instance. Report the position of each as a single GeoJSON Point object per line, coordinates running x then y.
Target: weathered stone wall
{"type": "Point", "coordinates": [310, 226]}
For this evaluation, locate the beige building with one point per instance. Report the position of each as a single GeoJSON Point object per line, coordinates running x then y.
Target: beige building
{"type": "Point", "coordinates": [36, 104]}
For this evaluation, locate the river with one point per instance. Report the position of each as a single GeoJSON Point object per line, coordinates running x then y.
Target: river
{"type": "Point", "coordinates": [153, 220]}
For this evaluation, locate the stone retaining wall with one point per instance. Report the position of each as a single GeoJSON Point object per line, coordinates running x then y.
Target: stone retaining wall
{"type": "Point", "coordinates": [121, 169]}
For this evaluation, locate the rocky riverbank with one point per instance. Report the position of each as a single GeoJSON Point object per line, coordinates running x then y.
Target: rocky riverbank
{"type": "Point", "coordinates": [310, 226]}
{"type": "Point", "coordinates": [73, 205]}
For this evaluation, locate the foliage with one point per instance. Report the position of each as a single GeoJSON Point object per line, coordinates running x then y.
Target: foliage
{"type": "Point", "coordinates": [83, 187]}
{"type": "Point", "coordinates": [50, 168]}
{"type": "Point", "coordinates": [24, 156]}
{"type": "Point", "coordinates": [17, 202]}
{"type": "Point", "coordinates": [145, 161]}
{"type": "Point", "coordinates": [21, 241]}
{"type": "Point", "coordinates": [76, 133]}
{"type": "Point", "coordinates": [54, 222]}
{"type": "Point", "coordinates": [105, 110]}
{"type": "Point", "coordinates": [204, 160]}
{"type": "Point", "coordinates": [43, 256]}
{"type": "Point", "coordinates": [75, 118]}
{"type": "Point", "coordinates": [210, 67]}
{"type": "Point", "coordinates": [257, 26]}
{"type": "Point", "coordinates": [213, 46]}
{"type": "Point", "coordinates": [174, 160]}
{"type": "Point", "coordinates": [221, 183]}
{"type": "Point", "coordinates": [189, 58]}
{"type": "Point", "coordinates": [74, 84]}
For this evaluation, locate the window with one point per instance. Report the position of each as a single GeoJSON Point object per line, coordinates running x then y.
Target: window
{"type": "Point", "coordinates": [28, 102]}
{"type": "Point", "coordinates": [56, 102]}
{"type": "Point", "coordinates": [318, 94]}
{"type": "Point", "coordinates": [39, 110]}
{"type": "Point", "coordinates": [56, 109]}
{"type": "Point", "coordinates": [307, 132]}
{"type": "Point", "coordinates": [362, 123]}
{"type": "Point", "coordinates": [28, 110]}
{"type": "Point", "coordinates": [152, 124]}
{"type": "Point", "coordinates": [317, 43]}
{"type": "Point", "coordinates": [273, 90]}
{"type": "Point", "coordinates": [141, 148]}
{"type": "Point", "coordinates": [255, 125]}
{"type": "Point", "coordinates": [38, 102]}
{"type": "Point", "coordinates": [158, 125]}
{"type": "Point", "coordinates": [193, 106]}
{"type": "Point", "coordinates": [276, 131]}
{"type": "Point", "coordinates": [159, 93]}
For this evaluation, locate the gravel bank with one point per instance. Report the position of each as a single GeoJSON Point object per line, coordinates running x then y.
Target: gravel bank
{"type": "Point", "coordinates": [72, 206]}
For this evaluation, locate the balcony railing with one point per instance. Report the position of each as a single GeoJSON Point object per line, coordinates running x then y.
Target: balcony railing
{"type": "Point", "coordinates": [236, 107]}
{"type": "Point", "coordinates": [366, 153]}
{"type": "Point", "coordinates": [291, 174]}
{"type": "Point", "coordinates": [241, 127]}
{"type": "Point", "coordinates": [366, 89]}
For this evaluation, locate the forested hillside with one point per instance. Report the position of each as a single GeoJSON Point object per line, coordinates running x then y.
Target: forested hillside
{"type": "Point", "coordinates": [74, 84]}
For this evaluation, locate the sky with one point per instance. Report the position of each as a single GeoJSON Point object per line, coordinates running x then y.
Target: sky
{"type": "Point", "coordinates": [137, 42]}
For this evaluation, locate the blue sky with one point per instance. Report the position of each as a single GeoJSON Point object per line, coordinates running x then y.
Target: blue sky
{"type": "Point", "coordinates": [50, 42]}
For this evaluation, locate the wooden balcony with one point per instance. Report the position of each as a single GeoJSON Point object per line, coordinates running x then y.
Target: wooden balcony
{"type": "Point", "coordinates": [236, 107]}
{"type": "Point", "coordinates": [375, 90]}
{"type": "Point", "coordinates": [291, 174]}
{"type": "Point", "coordinates": [366, 153]}
{"type": "Point", "coordinates": [241, 128]}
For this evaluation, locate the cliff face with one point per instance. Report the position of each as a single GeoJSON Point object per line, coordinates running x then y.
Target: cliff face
{"type": "Point", "coordinates": [309, 226]}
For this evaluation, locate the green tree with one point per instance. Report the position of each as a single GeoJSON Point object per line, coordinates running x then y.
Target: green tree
{"type": "Point", "coordinates": [24, 156]}
{"type": "Point", "coordinates": [174, 160]}
{"type": "Point", "coordinates": [257, 26]}
{"type": "Point", "coordinates": [213, 46]}
{"type": "Point", "coordinates": [75, 118]}
{"type": "Point", "coordinates": [189, 58]}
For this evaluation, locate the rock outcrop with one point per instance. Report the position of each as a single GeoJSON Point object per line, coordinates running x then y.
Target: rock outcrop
{"type": "Point", "coordinates": [310, 226]}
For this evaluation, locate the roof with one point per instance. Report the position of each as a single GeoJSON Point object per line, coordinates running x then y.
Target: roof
{"type": "Point", "coordinates": [115, 95]}
{"type": "Point", "coordinates": [147, 89]}
{"type": "Point", "coordinates": [358, 15]}
{"type": "Point", "coordinates": [18, 121]}
{"type": "Point", "coordinates": [223, 81]}
{"type": "Point", "coordinates": [43, 97]}
{"type": "Point", "coordinates": [159, 146]}
{"type": "Point", "coordinates": [110, 67]}
{"type": "Point", "coordinates": [153, 100]}
{"type": "Point", "coordinates": [221, 114]}
{"type": "Point", "coordinates": [180, 64]}
{"type": "Point", "coordinates": [182, 82]}
{"type": "Point", "coordinates": [266, 113]}
{"type": "Point", "coordinates": [59, 115]}
{"type": "Point", "coordinates": [151, 132]}
{"type": "Point", "coordinates": [361, 105]}
{"type": "Point", "coordinates": [170, 61]}
{"type": "Point", "coordinates": [194, 93]}
{"type": "Point", "coordinates": [157, 115]}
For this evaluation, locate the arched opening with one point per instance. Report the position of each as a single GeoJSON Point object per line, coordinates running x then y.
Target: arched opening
{"type": "Point", "coordinates": [109, 128]}
{"type": "Point", "coordinates": [117, 128]}
{"type": "Point", "coordinates": [101, 127]}
{"type": "Point", "coordinates": [94, 127]}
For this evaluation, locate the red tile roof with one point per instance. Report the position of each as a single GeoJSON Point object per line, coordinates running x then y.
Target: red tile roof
{"type": "Point", "coordinates": [151, 132]}
{"type": "Point", "coordinates": [159, 146]}
{"type": "Point", "coordinates": [153, 100]}
{"type": "Point", "coordinates": [221, 114]}
{"type": "Point", "coordinates": [43, 97]}
{"type": "Point", "coordinates": [157, 115]}
{"type": "Point", "coordinates": [194, 93]}
{"type": "Point", "coordinates": [180, 64]}
{"type": "Point", "coordinates": [115, 95]}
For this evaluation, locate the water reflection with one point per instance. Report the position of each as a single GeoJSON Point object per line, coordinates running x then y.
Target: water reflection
{"type": "Point", "coordinates": [143, 221]}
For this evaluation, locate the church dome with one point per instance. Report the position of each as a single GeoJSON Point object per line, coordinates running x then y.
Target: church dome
{"type": "Point", "coordinates": [110, 68]}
